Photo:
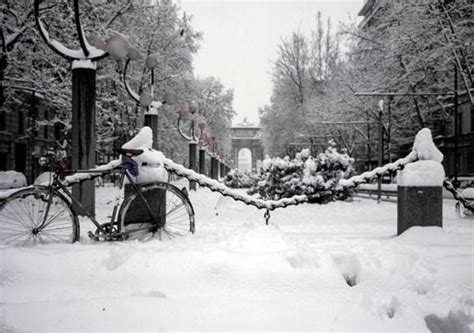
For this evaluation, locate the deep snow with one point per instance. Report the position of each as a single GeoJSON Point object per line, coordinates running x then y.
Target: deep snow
{"type": "Point", "coordinates": [236, 273]}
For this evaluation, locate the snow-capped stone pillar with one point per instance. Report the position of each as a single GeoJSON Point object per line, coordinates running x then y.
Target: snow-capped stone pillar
{"type": "Point", "coordinates": [222, 168]}
{"type": "Point", "coordinates": [420, 186]}
{"type": "Point", "coordinates": [83, 129]}
{"type": "Point", "coordinates": [214, 166]}
{"type": "Point", "coordinates": [147, 176]}
{"type": "Point", "coordinates": [202, 160]}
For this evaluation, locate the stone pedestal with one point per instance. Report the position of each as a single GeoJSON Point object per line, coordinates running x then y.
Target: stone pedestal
{"type": "Point", "coordinates": [202, 161]}
{"type": "Point", "coordinates": [138, 212]}
{"type": "Point", "coordinates": [222, 170]}
{"type": "Point", "coordinates": [419, 206]}
{"type": "Point", "coordinates": [214, 168]}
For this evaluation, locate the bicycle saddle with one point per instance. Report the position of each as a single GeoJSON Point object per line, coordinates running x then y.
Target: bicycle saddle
{"type": "Point", "coordinates": [128, 152]}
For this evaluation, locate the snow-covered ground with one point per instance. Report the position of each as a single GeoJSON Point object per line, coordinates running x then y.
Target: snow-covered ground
{"type": "Point", "coordinates": [236, 273]}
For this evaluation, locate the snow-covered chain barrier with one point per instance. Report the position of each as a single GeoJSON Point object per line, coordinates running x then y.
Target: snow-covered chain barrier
{"type": "Point", "coordinates": [423, 147]}
{"type": "Point", "coordinates": [379, 172]}
{"type": "Point", "coordinates": [214, 185]}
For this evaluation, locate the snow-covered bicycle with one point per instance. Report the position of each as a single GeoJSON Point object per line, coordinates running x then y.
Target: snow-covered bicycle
{"type": "Point", "coordinates": [42, 214]}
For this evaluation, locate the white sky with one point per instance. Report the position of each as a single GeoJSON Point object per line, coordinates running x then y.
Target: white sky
{"type": "Point", "coordinates": [241, 38]}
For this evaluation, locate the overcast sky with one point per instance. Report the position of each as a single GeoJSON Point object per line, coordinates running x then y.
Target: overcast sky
{"type": "Point", "coordinates": [241, 38]}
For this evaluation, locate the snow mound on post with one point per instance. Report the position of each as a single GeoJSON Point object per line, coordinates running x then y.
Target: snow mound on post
{"type": "Point", "coordinates": [428, 170]}
{"type": "Point", "coordinates": [144, 139]}
{"type": "Point", "coordinates": [150, 162]}
{"type": "Point", "coordinates": [422, 173]}
{"type": "Point", "coordinates": [425, 148]}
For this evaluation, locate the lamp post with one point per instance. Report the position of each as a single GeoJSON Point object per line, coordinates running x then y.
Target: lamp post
{"type": "Point", "coordinates": [456, 128]}
{"type": "Point", "coordinates": [202, 142]}
{"type": "Point", "coordinates": [380, 161]}
{"type": "Point", "coordinates": [190, 135]}
{"type": "Point", "coordinates": [147, 96]}
{"type": "Point", "coordinates": [214, 162]}
{"type": "Point", "coordinates": [221, 163]}
{"type": "Point", "coordinates": [453, 94]}
{"type": "Point", "coordinates": [83, 62]}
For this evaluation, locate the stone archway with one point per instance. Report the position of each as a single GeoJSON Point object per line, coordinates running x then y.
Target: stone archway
{"type": "Point", "coordinates": [244, 162]}
{"type": "Point", "coordinates": [248, 136]}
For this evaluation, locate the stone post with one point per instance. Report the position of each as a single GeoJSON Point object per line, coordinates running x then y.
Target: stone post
{"type": "Point", "coordinates": [214, 170]}
{"type": "Point", "coordinates": [420, 187]}
{"type": "Point", "coordinates": [223, 173]}
{"type": "Point", "coordinates": [202, 161]}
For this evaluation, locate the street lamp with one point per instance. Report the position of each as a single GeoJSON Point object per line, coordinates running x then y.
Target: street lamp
{"type": "Point", "coordinates": [186, 113]}
{"type": "Point", "coordinates": [212, 154]}
{"type": "Point", "coordinates": [453, 94]}
{"type": "Point", "coordinates": [147, 96]}
{"type": "Point", "coordinates": [203, 142]}
{"type": "Point", "coordinates": [83, 62]}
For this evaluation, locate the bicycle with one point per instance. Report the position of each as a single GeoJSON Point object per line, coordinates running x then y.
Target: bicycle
{"type": "Point", "coordinates": [42, 214]}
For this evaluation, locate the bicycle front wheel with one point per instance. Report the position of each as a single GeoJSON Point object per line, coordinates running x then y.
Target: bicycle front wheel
{"type": "Point", "coordinates": [173, 214]}
{"type": "Point", "coordinates": [26, 220]}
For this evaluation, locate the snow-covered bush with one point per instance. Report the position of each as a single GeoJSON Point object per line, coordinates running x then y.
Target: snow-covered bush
{"type": "Point", "coordinates": [305, 174]}
{"type": "Point", "coordinates": [239, 179]}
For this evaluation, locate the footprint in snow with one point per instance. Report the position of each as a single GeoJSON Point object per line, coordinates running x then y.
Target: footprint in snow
{"type": "Point", "coordinates": [350, 268]}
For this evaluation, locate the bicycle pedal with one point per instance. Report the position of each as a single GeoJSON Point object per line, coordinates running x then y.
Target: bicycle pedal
{"type": "Point", "coordinates": [92, 236]}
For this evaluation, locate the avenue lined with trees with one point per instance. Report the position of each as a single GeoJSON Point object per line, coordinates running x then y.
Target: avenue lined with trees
{"type": "Point", "coordinates": [404, 47]}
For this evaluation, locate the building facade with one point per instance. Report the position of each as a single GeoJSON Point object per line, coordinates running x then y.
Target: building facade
{"type": "Point", "coordinates": [27, 134]}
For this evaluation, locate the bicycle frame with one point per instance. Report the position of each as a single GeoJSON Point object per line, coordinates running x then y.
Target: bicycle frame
{"type": "Point", "coordinates": [57, 185]}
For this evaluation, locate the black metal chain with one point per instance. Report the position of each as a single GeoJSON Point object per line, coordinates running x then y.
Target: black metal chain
{"type": "Point", "coordinates": [267, 216]}
{"type": "Point", "coordinates": [458, 197]}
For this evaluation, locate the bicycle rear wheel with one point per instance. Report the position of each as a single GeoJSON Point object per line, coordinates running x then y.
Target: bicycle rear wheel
{"type": "Point", "coordinates": [23, 213]}
{"type": "Point", "coordinates": [172, 209]}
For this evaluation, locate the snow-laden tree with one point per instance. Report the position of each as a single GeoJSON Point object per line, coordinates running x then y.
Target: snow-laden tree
{"type": "Point", "coordinates": [304, 67]}
{"type": "Point", "coordinates": [160, 29]}
{"type": "Point", "coordinates": [166, 34]}
{"type": "Point", "coordinates": [24, 67]}
{"type": "Point", "coordinates": [411, 48]}
{"type": "Point", "coordinates": [215, 107]}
